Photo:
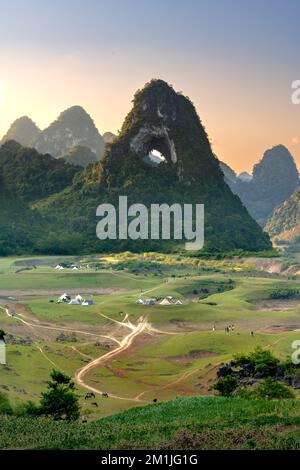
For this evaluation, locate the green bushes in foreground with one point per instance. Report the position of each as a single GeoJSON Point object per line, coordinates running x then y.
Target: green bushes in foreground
{"type": "Point", "coordinates": [183, 423]}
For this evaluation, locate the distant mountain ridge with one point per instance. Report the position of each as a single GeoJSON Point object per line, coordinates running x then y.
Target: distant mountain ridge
{"type": "Point", "coordinates": [274, 179]}
{"type": "Point", "coordinates": [167, 122]}
{"type": "Point", "coordinates": [73, 128]}
{"type": "Point", "coordinates": [22, 130]}
{"type": "Point", "coordinates": [284, 224]}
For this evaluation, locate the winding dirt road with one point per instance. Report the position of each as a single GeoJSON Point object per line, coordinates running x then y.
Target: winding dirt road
{"type": "Point", "coordinates": [142, 326]}
{"type": "Point", "coordinates": [135, 330]}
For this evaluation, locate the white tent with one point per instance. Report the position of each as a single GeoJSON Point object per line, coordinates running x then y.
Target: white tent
{"type": "Point", "coordinates": [87, 302]}
{"type": "Point", "coordinates": [178, 302]}
{"type": "Point", "coordinates": [74, 302]}
{"type": "Point", "coordinates": [2, 352]}
{"type": "Point", "coordinates": [58, 266]}
{"type": "Point", "coordinates": [139, 302]}
{"type": "Point", "coordinates": [165, 302]}
{"type": "Point", "coordinates": [64, 297]}
{"type": "Point", "coordinates": [79, 298]}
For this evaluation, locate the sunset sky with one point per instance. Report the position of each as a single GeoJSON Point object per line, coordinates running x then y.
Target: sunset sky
{"type": "Point", "coordinates": [236, 60]}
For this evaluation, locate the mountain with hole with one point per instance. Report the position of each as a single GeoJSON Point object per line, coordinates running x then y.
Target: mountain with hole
{"type": "Point", "coordinates": [161, 155]}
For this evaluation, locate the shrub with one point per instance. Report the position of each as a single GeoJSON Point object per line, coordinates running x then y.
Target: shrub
{"type": "Point", "coordinates": [27, 409]}
{"type": "Point", "coordinates": [269, 389]}
{"type": "Point", "coordinates": [226, 386]}
{"type": "Point", "coordinates": [260, 361]}
{"type": "Point", "coordinates": [5, 406]}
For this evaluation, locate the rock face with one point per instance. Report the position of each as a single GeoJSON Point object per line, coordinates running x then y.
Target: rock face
{"type": "Point", "coordinates": [23, 131]}
{"type": "Point", "coordinates": [284, 224]}
{"type": "Point", "coordinates": [167, 122]}
{"type": "Point", "coordinates": [274, 179]}
{"type": "Point", "coordinates": [164, 121]}
{"type": "Point", "coordinates": [230, 175]}
{"type": "Point", "coordinates": [81, 156]}
{"type": "Point", "coordinates": [109, 137]}
{"type": "Point", "coordinates": [72, 128]}
{"type": "Point", "coordinates": [245, 176]}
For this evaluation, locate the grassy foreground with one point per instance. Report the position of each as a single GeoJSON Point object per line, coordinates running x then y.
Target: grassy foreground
{"type": "Point", "coordinates": [183, 423]}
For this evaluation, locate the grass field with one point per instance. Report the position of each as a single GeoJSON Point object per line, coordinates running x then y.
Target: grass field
{"type": "Point", "coordinates": [179, 353]}
{"type": "Point", "coordinates": [183, 423]}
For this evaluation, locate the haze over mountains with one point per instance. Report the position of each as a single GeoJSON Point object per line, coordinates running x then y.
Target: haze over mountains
{"type": "Point", "coordinates": [73, 131]}
{"type": "Point", "coordinates": [23, 131]}
{"type": "Point", "coordinates": [164, 121]}
{"type": "Point", "coordinates": [162, 152]}
{"type": "Point", "coordinates": [274, 179]}
{"type": "Point", "coordinates": [284, 224]}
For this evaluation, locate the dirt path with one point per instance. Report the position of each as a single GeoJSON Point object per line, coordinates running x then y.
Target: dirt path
{"type": "Point", "coordinates": [142, 326]}
{"type": "Point", "coordinates": [126, 342]}
{"type": "Point", "coordinates": [56, 328]}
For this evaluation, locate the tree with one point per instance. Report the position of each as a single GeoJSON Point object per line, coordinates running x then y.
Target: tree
{"type": "Point", "coordinates": [60, 400]}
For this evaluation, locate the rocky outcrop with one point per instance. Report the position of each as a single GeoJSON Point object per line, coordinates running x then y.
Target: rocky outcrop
{"type": "Point", "coordinates": [80, 156]}
{"type": "Point", "coordinates": [274, 179]}
{"type": "Point", "coordinates": [72, 128]}
{"type": "Point", "coordinates": [109, 137]}
{"type": "Point", "coordinates": [23, 131]}
{"type": "Point", "coordinates": [164, 121]}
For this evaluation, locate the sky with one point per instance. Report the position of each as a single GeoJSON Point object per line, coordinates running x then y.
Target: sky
{"type": "Point", "coordinates": [235, 59]}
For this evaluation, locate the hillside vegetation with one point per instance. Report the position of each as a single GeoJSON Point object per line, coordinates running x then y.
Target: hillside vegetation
{"type": "Point", "coordinates": [183, 423]}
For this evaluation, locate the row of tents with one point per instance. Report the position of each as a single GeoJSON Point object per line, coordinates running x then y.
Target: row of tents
{"type": "Point", "coordinates": [78, 300]}
{"type": "Point", "coordinates": [75, 267]}
{"type": "Point", "coordinates": [166, 301]}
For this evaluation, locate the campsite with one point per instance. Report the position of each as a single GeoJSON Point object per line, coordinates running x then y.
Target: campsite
{"type": "Point", "coordinates": [131, 351]}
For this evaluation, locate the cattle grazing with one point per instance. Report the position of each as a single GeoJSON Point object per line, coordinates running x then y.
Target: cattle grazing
{"type": "Point", "coordinates": [89, 395]}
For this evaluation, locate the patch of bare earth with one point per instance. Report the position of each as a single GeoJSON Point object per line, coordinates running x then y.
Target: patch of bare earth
{"type": "Point", "coordinates": [190, 357]}
{"type": "Point", "coordinates": [276, 305]}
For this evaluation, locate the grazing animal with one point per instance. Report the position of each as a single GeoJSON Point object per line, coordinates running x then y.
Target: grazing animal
{"type": "Point", "coordinates": [105, 394]}
{"type": "Point", "coordinates": [89, 395]}
{"type": "Point", "coordinates": [155, 400]}
{"type": "Point", "coordinates": [94, 403]}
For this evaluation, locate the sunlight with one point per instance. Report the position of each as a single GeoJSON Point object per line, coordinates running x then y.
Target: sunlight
{"type": "Point", "coordinates": [2, 93]}
{"type": "Point", "coordinates": [156, 156]}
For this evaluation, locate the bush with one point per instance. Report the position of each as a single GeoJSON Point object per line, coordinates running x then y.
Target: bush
{"type": "Point", "coordinates": [5, 406]}
{"type": "Point", "coordinates": [260, 362]}
{"type": "Point", "coordinates": [226, 386]}
{"type": "Point", "coordinates": [27, 409]}
{"type": "Point", "coordinates": [269, 389]}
